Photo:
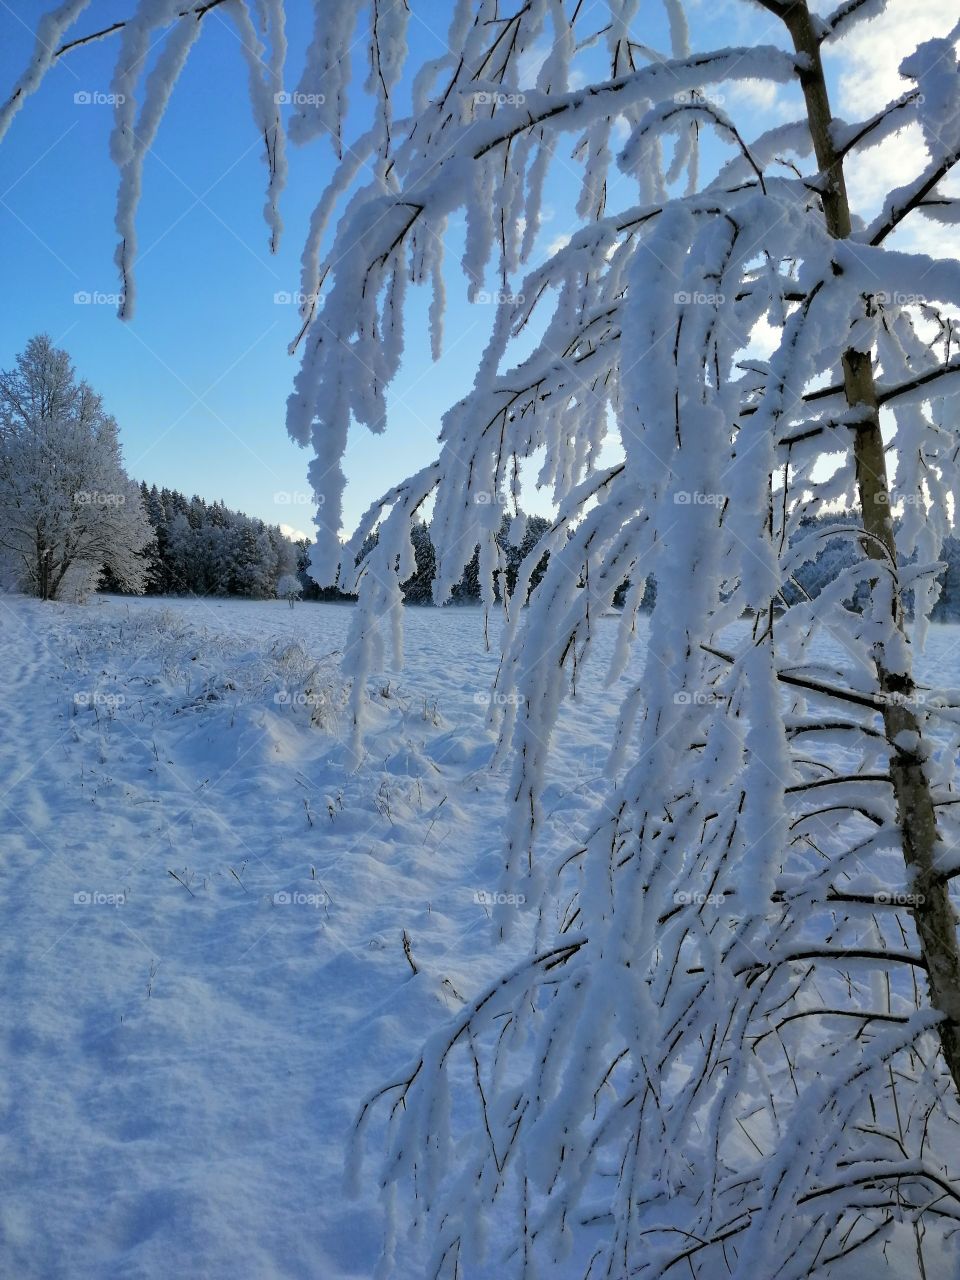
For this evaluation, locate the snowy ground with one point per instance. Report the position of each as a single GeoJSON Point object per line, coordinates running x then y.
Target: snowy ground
{"type": "Point", "coordinates": [182, 1058]}
{"type": "Point", "coordinates": [201, 932]}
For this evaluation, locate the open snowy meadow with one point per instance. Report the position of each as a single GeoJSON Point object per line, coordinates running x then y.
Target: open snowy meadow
{"type": "Point", "coordinates": [203, 959]}
{"type": "Point", "coordinates": [204, 968]}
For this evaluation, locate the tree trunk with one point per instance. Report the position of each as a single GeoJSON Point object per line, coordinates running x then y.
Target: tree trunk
{"type": "Point", "coordinates": [932, 910]}
{"type": "Point", "coordinates": [43, 569]}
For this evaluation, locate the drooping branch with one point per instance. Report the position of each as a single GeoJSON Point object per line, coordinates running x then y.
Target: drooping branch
{"type": "Point", "coordinates": [196, 11]}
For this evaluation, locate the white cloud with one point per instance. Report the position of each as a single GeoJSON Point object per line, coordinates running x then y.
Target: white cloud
{"type": "Point", "coordinates": [923, 235]}
{"type": "Point", "coordinates": [865, 68]}
{"type": "Point", "coordinates": [871, 174]}
{"type": "Point", "coordinates": [759, 93]}
{"type": "Point", "coordinates": [295, 535]}
{"type": "Point", "coordinates": [758, 96]}
{"type": "Point", "coordinates": [870, 57]}
{"type": "Point", "coordinates": [555, 245]}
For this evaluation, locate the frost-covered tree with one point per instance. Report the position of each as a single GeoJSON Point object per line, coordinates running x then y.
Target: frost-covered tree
{"type": "Point", "coordinates": [735, 1046]}
{"type": "Point", "coordinates": [289, 589]}
{"type": "Point", "coordinates": [525, 534]}
{"type": "Point", "coordinates": [250, 573]}
{"type": "Point", "coordinates": [68, 510]}
{"type": "Point", "coordinates": [418, 589]}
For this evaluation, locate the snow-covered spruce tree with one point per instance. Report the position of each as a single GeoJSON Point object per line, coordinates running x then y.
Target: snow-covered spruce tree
{"type": "Point", "coordinates": [734, 1048]}
{"type": "Point", "coordinates": [68, 510]}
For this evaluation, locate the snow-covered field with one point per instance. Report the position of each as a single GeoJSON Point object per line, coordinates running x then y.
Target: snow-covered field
{"type": "Point", "coordinates": [203, 915]}
{"type": "Point", "coordinates": [202, 920]}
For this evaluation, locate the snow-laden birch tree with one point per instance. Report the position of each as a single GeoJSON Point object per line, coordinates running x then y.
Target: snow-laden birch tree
{"type": "Point", "coordinates": [735, 1048]}
{"type": "Point", "coordinates": [68, 510]}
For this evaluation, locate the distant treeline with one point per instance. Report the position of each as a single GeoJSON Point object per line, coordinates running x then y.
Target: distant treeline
{"type": "Point", "coordinates": [205, 548]}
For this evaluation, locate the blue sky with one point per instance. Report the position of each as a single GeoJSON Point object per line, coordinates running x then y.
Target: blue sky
{"type": "Point", "coordinates": [199, 379]}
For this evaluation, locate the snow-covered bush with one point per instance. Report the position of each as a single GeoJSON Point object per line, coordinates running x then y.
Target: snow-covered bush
{"type": "Point", "coordinates": [161, 658]}
{"type": "Point", "coordinates": [305, 685]}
